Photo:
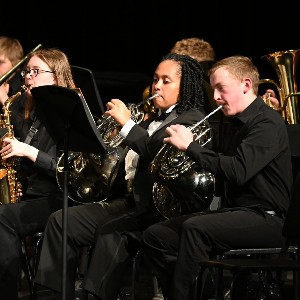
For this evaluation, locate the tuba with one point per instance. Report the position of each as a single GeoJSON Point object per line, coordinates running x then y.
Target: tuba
{"type": "Point", "coordinates": [285, 64]}
{"type": "Point", "coordinates": [175, 173]}
{"type": "Point", "coordinates": [90, 174]}
{"type": "Point", "coordinates": [9, 184]}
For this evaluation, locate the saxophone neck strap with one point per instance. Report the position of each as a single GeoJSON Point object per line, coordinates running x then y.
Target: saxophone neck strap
{"type": "Point", "coordinates": [32, 131]}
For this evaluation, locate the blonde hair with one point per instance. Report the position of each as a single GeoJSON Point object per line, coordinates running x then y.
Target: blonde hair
{"type": "Point", "coordinates": [195, 47]}
{"type": "Point", "coordinates": [59, 64]}
{"type": "Point", "coordinates": [239, 67]}
{"type": "Point", "coordinates": [11, 48]}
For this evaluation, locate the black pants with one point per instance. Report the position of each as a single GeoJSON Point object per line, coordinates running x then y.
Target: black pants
{"type": "Point", "coordinates": [17, 220]}
{"type": "Point", "coordinates": [108, 228]}
{"type": "Point", "coordinates": [84, 221]}
{"type": "Point", "coordinates": [174, 247]}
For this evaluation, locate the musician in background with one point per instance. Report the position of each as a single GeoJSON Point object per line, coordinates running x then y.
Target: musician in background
{"type": "Point", "coordinates": [114, 227]}
{"type": "Point", "coordinates": [11, 53]}
{"type": "Point", "coordinates": [257, 173]}
{"type": "Point", "coordinates": [271, 97]}
{"type": "Point", "coordinates": [204, 53]}
{"type": "Point", "coordinates": [41, 194]}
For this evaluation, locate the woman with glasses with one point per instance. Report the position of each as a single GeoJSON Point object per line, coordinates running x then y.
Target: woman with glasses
{"type": "Point", "coordinates": [40, 193]}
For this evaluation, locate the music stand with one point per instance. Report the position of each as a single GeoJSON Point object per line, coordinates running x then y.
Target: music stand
{"type": "Point", "coordinates": [68, 119]}
{"type": "Point", "coordinates": [85, 80]}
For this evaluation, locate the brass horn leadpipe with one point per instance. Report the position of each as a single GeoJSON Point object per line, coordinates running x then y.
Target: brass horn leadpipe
{"type": "Point", "coordinates": [148, 105]}
{"type": "Point", "coordinates": [12, 70]}
{"type": "Point", "coordinates": [146, 100]}
{"type": "Point", "coordinates": [139, 104]}
{"type": "Point", "coordinates": [206, 117]}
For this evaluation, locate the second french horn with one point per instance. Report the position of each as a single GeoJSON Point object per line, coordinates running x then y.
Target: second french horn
{"type": "Point", "coordinates": [180, 185]}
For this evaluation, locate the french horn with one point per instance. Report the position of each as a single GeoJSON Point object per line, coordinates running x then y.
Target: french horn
{"type": "Point", "coordinates": [90, 174]}
{"type": "Point", "coordinates": [180, 186]}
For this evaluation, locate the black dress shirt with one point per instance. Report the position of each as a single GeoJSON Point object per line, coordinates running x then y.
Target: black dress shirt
{"type": "Point", "coordinates": [256, 160]}
{"type": "Point", "coordinates": [38, 178]}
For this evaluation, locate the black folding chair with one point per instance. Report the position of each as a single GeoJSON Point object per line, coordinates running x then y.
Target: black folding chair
{"type": "Point", "coordinates": [261, 261]}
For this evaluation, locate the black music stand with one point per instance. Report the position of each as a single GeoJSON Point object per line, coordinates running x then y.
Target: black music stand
{"type": "Point", "coordinates": [85, 80]}
{"type": "Point", "coordinates": [68, 119]}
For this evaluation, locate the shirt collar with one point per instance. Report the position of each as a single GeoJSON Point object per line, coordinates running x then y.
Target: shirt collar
{"type": "Point", "coordinates": [168, 110]}
{"type": "Point", "coordinates": [253, 109]}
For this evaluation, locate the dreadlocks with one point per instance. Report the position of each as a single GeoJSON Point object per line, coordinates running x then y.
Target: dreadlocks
{"type": "Point", "coordinates": [191, 94]}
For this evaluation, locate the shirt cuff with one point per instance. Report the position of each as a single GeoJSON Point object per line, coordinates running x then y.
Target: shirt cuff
{"type": "Point", "coordinates": [126, 128]}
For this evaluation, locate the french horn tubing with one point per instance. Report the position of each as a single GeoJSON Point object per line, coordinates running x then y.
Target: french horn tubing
{"type": "Point", "coordinates": [90, 174]}
{"type": "Point", "coordinates": [180, 186]}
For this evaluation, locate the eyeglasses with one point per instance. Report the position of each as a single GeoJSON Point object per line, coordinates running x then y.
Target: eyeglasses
{"type": "Point", "coordinates": [34, 72]}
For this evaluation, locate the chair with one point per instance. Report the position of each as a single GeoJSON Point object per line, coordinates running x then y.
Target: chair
{"type": "Point", "coordinates": [135, 262]}
{"type": "Point", "coordinates": [263, 260]}
{"type": "Point", "coordinates": [29, 262]}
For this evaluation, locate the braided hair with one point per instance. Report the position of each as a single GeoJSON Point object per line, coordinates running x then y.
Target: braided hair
{"type": "Point", "coordinates": [191, 92]}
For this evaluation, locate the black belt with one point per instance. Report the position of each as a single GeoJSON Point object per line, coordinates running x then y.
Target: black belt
{"type": "Point", "coordinates": [273, 213]}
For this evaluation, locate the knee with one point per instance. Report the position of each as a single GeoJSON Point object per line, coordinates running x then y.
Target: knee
{"type": "Point", "coordinates": [8, 219]}
{"type": "Point", "coordinates": [150, 234]}
{"type": "Point", "coordinates": [194, 225]}
{"type": "Point", "coordinates": [55, 220]}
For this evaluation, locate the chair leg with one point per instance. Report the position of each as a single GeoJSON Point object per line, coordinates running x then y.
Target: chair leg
{"type": "Point", "coordinates": [26, 267]}
{"type": "Point", "coordinates": [133, 278]}
{"type": "Point", "coordinates": [219, 284]}
{"type": "Point", "coordinates": [35, 262]}
{"type": "Point", "coordinates": [29, 265]}
{"type": "Point", "coordinates": [200, 283]}
{"type": "Point", "coordinates": [296, 284]}
{"type": "Point", "coordinates": [135, 262]}
{"type": "Point", "coordinates": [265, 285]}
{"type": "Point", "coordinates": [157, 291]}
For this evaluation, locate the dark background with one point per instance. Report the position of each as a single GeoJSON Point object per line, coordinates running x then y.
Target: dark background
{"type": "Point", "coordinates": [122, 41]}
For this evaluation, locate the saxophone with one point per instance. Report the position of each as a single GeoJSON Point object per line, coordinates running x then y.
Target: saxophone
{"type": "Point", "coordinates": [9, 185]}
